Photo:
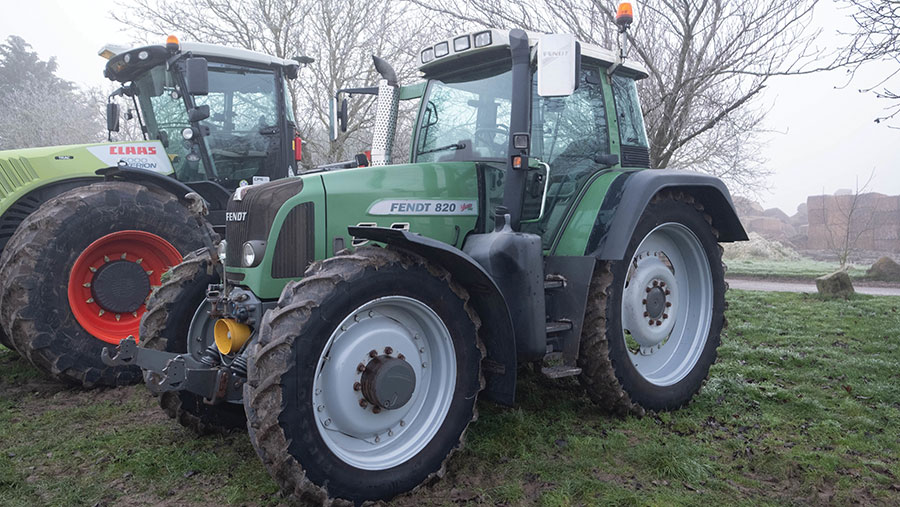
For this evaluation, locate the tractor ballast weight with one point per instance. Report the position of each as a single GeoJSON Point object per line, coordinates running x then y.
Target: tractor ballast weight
{"type": "Point", "coordinates": [527, 228]}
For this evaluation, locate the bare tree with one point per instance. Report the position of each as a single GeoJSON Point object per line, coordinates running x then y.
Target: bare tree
{"type": "Point", "coordinates": [876, 37]}
{"type": "Point", "coordinates": [708, 62]}
{"type": "Point", "coordinates": [37, 108]}
{"type": "Point", "coordinates": [848, 220]}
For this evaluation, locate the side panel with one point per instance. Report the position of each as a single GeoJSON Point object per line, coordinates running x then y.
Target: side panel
{"type": "Point", "coordinates": [437, 200]}
{"type": "Point", "coordinates": [22, 171]}
{"type": "Point", "coordinates": [581, 219]}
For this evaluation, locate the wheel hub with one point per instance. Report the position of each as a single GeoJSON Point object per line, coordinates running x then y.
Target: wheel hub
{"type": "Point", "coordinates": [120, 286]}
{"type": "Point", "coordinates": [388, 382]}
{"type": "Point", "coordinates": [649, 301]}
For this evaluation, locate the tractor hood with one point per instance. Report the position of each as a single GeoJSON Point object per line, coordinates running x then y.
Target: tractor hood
{"type": "Point", "coordinates": [27, 169]}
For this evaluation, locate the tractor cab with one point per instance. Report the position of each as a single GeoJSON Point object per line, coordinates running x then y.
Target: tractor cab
{"type": "Point", "coordinates": [221, 114]}
{"type": "Point", "coordinates": [573, 93]}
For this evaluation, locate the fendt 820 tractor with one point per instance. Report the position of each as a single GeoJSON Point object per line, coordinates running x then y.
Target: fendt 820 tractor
{"type": "Point", "coordinates": [87, 231]}
{"type": "Point", "coordinates": [363, 311]}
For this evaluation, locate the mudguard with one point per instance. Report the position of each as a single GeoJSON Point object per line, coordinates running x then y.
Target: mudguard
{"type": "Point", "coordinates": [497, 329]}
{"type": "Point", "coordinates": [145, 177]}
{"type": "Point", "coordinates": [630, 193]}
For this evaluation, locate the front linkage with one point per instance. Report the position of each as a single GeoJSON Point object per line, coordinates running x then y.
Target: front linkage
{"type": "Point", "coordinates": [216, 372]}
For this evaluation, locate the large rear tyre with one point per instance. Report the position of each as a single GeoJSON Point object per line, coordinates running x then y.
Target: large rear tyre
{"type": "Point", "coordinates": [654, 319]}
{"type": "Point", "coordinates": [176, 313]}
{"type": "Point", "coordinates": [364, 378]}
{"type": "Point", "coordinates": [75, 276]}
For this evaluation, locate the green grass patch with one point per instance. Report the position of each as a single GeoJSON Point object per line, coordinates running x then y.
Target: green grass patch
{"type": "Point", "coordinates": [803, 406]}
{"type": "Point", "coordinates": [803, 268]}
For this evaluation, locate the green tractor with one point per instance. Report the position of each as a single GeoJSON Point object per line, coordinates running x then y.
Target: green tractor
{"type": "Point", "coordinates": [361, 312]}
{"type": "Point", "coordinates": [87, 231]}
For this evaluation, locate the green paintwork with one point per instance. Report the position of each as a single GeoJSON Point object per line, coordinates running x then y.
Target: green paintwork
{"type": "Point", "coordinates": [580, 222]}
{"type": "Point", "coordinates": [343, 198]}
{"type": "Point", "coordinates": [23, 171]}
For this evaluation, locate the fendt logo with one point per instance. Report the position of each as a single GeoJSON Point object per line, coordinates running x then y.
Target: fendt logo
{"type": "Point", "coordinates": [132, 150]}
{"type": "Point", "coordinates": [235, 216]}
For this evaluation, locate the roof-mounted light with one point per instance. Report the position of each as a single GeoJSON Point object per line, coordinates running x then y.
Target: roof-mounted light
{"type": "Point", "coordinates": [441, 49]}
{"type": "Point", "coordinates": [427, 55]}
{"type": "Point", "coordinates": [172, 43]}
{"type": "Point", "coordinates": [624, 15]}
{"type": "Point", "coordinates": [482, 39]}
{"type": "Point", "coordinates": [461, 43]}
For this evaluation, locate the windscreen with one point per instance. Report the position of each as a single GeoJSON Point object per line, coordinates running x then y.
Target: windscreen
{"type": "Point", "coordinates": [466, 120]}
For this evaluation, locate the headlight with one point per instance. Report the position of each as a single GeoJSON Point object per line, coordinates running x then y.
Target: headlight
{"type": "Point", "coordinates": [461, 43]}
{"type": "Point", "coordinates": [252, 253]}
{"type": "Point", "coordinates": [441, 49]}
{"type": "Point", "coordinates": [221, 250]}
{"type": "Point", "coordinates": [427, 55]}
{"type": "Point", "coordinates": [143, 55]}
{"type": "Point", "coordinates": [187, 133]}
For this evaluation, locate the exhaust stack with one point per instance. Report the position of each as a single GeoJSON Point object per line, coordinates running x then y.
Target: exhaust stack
{"type": "Point", "coordinates": [386, 113]}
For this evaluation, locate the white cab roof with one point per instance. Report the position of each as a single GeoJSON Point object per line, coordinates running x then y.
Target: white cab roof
{"type": "Point", "coordinates": [213, 51]}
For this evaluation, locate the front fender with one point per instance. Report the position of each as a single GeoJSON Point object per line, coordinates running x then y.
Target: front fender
{"type": "Point", "coordinates": [499, 366]}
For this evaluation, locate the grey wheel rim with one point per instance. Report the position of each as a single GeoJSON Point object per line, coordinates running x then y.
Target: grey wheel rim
{"type": "Point", "coordinates": [667, 304]}
{"type": "Point", "coordinates": [358, 434]}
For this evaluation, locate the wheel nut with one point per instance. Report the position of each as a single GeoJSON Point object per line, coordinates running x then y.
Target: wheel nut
{"type": "Point", "coordinates": [357, 386]}
{"type": "Point", "coordinates": [360, 367]}
{"type": "Point", "coordinates": [646, 314]}
{"type": "Point", "coordinates": [665, 315]}
{"type": "Point", "coordinates": [667, 292]}
{"type": "Point", "coordinates": [401, 357]}
{"type": "Point", "coordinates": [655, 283]}
{"type": "Point", "coordinates": [658, 322]}
{"type": "Point", "coordinates": [651, 322]}
{"type": "Point", "coordinates": [668, 304]}
{"type": "Point", "coordinates": [373, 353]}
{"type": "Point", "coordinates": [376, 409]}
{"type": "Point", "coordinates": [662, 284]}
{"type": "Point", "coordinates": [388, 350]}
{"type": "Point", "coordinates": [647, 289]}
{"type": "Point", "coordinates": [363, 403]}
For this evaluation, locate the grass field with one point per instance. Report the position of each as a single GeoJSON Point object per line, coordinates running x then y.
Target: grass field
{"type": "Point", "coordinates": [803, 407]}
{"type": "Point", "coordinates": [802, 268]}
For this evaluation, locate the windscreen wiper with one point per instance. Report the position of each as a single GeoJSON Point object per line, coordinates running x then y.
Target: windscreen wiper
{"type": "Point", "coordinates": [455, 146]}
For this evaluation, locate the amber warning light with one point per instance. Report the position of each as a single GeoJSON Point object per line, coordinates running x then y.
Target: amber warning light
{"type": "Point", "coordinates": [625, 15]}
{"type": "Point", "coordinates": [172, 43]}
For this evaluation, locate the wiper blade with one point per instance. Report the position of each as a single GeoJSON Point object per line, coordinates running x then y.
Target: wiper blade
{"type": "Point", "coordinates": [455, 146]}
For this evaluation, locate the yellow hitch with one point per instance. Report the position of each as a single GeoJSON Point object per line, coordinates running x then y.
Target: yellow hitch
{"type": "Point", "coordinates": [230, 335]}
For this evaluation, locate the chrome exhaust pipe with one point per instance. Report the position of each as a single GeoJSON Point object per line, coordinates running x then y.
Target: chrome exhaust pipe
{"type": "Point", "coordinates": [386, 113]}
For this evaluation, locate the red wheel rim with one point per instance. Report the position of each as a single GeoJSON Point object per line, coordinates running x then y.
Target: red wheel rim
{"type": "Point", "coordinates": [153, 254]}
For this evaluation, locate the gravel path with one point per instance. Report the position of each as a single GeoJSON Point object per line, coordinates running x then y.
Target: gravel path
{"type": "Point", "coordinates": [784, 286]}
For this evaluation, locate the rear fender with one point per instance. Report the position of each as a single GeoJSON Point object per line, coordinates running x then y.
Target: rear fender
{"type": "Point", "coordinates": [499, 366]}
{"type": "Point", "coordinates": [630, 194]}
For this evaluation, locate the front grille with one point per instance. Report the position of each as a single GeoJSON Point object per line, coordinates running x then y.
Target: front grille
{"type": "Point", "coordinates": [295, 248]}
{"type": "Point", "coordinates": [635, 156]}
{"type": "Point", "coordinates": [261, 204]}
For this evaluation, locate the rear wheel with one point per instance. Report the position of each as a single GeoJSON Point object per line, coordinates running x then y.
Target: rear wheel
{"type": "Point", "coordinates": [654, 320]}
{"type": "Point", "coordinates": [75, 276]}
{"type": "Point", "coordinates": [177, 320]}
{"type": "Point", "coordinates": [364, 378]}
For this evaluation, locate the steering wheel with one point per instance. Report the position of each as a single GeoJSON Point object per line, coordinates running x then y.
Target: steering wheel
{"type": "Point", "coordinates": [488, 136]}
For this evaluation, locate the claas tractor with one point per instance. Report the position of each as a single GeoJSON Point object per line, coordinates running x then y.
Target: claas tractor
{"type": "Point", "coordinates": [87, 231]}
{"type": "Point", "coordinates": [362, 312]}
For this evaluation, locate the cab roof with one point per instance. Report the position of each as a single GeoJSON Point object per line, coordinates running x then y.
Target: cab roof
{"type": "Point", "coordinates": [488, 44]}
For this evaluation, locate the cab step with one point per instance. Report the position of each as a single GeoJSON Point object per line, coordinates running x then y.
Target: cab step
{"type": "Point", "coordinates": [560, 371]}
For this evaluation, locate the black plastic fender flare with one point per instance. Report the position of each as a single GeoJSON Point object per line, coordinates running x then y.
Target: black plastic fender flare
{"type": "Point", "coordinates": [145, 177]}
{"type": "Point", "coordinates": [499, 366]}
{"type": "Point", "coordinates": [630, 194]}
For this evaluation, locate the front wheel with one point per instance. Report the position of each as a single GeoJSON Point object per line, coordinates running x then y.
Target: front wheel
{"type": "Point", "coordinates": [654, 319]}
{"type": "Point", "coordinates": [364, 378]}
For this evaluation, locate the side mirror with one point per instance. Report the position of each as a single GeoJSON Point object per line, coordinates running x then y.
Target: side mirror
{"type": "Point", "coordinates": [198, 113]}
{"type": "Point", "coordinates": [197, 76]}
{"type": "Point", "coordinates": [112, 117]}
{"type": "Point", "coordinates": [338, 117]}
{"type": "Point", "coordinates": [558, 62]}
{"type": "Point", "coordinates": [342, 115]}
